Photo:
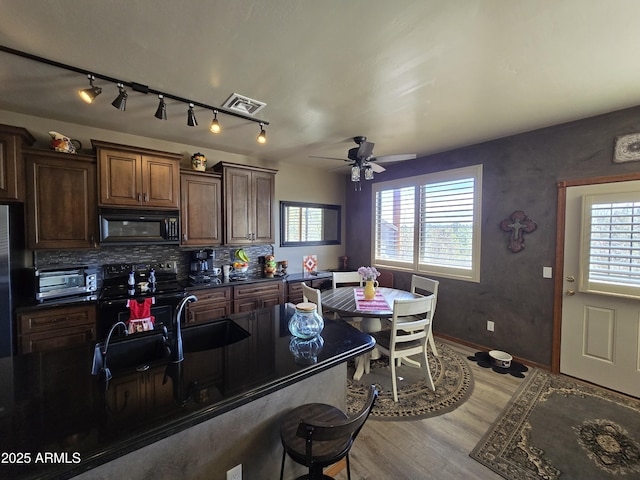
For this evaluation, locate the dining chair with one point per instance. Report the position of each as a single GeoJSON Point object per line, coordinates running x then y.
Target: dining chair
{"type": "Point", "coordinates": [346, 278]}
{"type": "Point", "coordinates": [317, 435]}
{"type": "Point", "coordinates": [427, 286]}
{"type": "Point", "coordinates": [312, 295]}
{"type": "Point", "coordinates": [407, 336]}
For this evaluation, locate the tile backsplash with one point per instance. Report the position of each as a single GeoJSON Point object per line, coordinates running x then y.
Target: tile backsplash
{"type": "Point", "coordinates": [148, 254]}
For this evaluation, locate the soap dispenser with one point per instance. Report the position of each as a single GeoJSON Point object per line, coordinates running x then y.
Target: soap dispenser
{"type": "Point", "coordinates": [132, 279]}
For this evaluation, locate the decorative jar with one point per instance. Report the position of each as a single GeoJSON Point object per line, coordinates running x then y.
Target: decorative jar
{"type": "Point", "coordinates": [306, 322]}
{"type": "Point", "coordinates": [199, 162]}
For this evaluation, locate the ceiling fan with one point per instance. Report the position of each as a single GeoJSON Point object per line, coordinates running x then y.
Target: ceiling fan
{"type": "Point", "coordinates": [364, 164]}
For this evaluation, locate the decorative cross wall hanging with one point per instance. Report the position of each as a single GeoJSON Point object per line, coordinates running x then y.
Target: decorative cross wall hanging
{"type": "Point", "coordinates": [518, 224]}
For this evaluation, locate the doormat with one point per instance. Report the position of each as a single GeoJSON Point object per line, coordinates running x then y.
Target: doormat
{"type": "Point", "coordinates": [451, 376]}
{"type": "Point", "coordinates": [558, 427]}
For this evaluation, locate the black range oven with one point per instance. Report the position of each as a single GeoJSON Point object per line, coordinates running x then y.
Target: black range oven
{"type": "Point", "coordinates": [130, 282]}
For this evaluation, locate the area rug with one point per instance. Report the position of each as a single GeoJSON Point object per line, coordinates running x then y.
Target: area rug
{"type": "Point", "coordinates": [557, 427]}
{"type": "Point", "coordinates": [451, 376]}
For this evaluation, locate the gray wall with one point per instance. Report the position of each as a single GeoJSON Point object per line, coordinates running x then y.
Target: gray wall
{"type": "Point", "coordinates": [519, 173]}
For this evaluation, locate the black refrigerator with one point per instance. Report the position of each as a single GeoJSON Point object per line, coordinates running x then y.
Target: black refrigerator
{"type": "Point", "coordinates": [12, 280]}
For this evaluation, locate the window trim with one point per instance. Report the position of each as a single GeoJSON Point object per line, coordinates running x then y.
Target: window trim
{"type": "Point", "coordinates": [472, 275]}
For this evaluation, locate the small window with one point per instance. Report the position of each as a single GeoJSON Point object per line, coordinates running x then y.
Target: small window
{"type": "Point", "coordinates": [309, 224]}
{"type": "Point", "coordinates": [610, 249]}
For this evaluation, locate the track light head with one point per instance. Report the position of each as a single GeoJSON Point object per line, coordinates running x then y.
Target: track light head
{"type": "Point", "coordinates": [121, 100]}
{"type": "Point", "coordinates": [161, 112]}
{"type": "Point", "coordinates": [215, 125]}
{"type": "Point", "coordinates": [88, 95]}
{"type": "Point", "coordinates": [191, 117]}
{"type": "Point", "coordinates": [262, 136]}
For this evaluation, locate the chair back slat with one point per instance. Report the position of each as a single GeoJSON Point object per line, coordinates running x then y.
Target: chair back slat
{"type": "Point", "coordinates": [425, 286]}
{"type": "Point", "coordinates": [346, 278]}
{"type": "Point", "coordinates": [312, 295]}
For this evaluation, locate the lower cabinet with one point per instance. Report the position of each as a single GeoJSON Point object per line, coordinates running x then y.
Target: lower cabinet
{"type": "Point", "coordinates": [135, 394]}
{"type": "Point", "coordinates": [294, 289]}
{"type": "Point", "coordinates": [257, 295]}
{"type": "Point", "coordinates": [212, 303]}
{"type": "Point", "coordinates": [45, 329]}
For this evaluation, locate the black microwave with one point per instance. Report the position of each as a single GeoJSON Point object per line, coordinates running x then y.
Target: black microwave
{"type": "Point", "coordinates": [135, 227]}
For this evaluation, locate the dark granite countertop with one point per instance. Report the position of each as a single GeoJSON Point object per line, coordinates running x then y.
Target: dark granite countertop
{"type": "Point", "coordinates": [50, 402]}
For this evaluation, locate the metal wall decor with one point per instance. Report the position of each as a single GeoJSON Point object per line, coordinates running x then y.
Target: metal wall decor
{"type": "Point", "coordinates": [517, 225]}
{"type": "Point", "coordinates": [627, 148]}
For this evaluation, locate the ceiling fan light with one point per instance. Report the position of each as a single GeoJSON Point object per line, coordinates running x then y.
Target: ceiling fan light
{"type": "Point", "coordinates": [88, 95]}
{"type": "Point", "coordinates": [355, 173]}
{"type": "Point", "coordinates": [368, 173]}
{"type": "Point", "coordinates": [161, 112]}
{"type": "Point", "coordinates": [262, 136]}
{"type": "Point", "coordinates": [215, 125]}
{"type": "Point", "coordinates": [121, 100]}
{"type": "Point", "coordinates": [191, 117]}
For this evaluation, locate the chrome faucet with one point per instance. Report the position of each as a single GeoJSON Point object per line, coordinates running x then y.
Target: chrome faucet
{"type": "Point", "coordinates": [177, 354]}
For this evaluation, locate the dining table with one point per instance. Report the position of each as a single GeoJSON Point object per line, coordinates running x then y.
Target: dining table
{"type": "Point", "coordinates": [348, 302]}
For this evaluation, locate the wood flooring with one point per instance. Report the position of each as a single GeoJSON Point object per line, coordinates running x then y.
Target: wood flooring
{"type": "Point", "coordinates": [437, 447]}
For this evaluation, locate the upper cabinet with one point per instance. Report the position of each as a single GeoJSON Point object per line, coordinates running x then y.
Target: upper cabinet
{"type": "Point", "coordinates": [248, 203]}
{"type": "Point", "coordinates": [12, 139]}
{"type": "Point", "coordinates": [200, 208]}
{"type": "Point", "coordinates": [61, 200]}
{"type": "Point", "coordinates": [137, 177]}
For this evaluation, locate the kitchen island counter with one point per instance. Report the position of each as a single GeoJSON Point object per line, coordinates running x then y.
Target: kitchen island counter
{"type": "Point", "coordinates": [58, 420]}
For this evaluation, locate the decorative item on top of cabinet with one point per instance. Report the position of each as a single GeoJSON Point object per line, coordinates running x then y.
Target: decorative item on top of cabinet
{"type": "Point", "coordinates": [200, 208]}
{"type": "Point", "coordinates": [248, 203]}
{"type": "Point", "coordinates": [134, 176]}
{"type": "Point", "coordinates": [12, 140]}
{"type": "Point", "coordinates": [43, 329]}
{"type": "Point", "coordinates": [61, 200]}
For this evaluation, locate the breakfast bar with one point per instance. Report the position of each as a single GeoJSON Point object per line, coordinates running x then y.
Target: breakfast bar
{"type": "Point", "coordinates": [193, 419]}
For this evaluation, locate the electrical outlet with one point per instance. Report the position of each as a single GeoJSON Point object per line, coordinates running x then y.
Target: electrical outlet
{"type": "Point", "coordinates": [235, 473]}
{"type": "Point", "coordinates": [490, 325]}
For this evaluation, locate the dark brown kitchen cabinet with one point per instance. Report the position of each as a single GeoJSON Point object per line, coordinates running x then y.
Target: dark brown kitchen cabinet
{"type": "Point", "coordinates": [200, 208]}
{"type": "Point", "coordinates": [12, 140]}
{"type": "Point", "coordinates": [257, 295]}
{"type": "Point", "coordinates": [42, 329]}
{"type": "Point", "coordinates": [61, 200]}
{"type": "Point", "coordinates": [137, 177]}
{"type": "Point", "coordinates": [212, 304]}
{"type": "Point", "coordinates": [248, 203]}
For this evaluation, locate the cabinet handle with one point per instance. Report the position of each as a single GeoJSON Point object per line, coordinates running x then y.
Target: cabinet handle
{"type": "Point", "coordinates": [146, 197]}
{"type": "Point", "coordinates": [184, 237]}
{"type": "Point", "coordinates": [139, 197]}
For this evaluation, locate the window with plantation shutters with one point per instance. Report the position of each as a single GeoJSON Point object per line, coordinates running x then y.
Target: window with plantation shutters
{"type": "Point", "coordinates": [304, 224]}
{"type": "Point", "coordinates": [430, 224]}
{"type": "Point", "coordinates": [610, 251]}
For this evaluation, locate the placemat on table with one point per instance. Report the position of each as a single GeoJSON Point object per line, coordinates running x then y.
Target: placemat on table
{"type": "Point", "coordinates": [378, 302]}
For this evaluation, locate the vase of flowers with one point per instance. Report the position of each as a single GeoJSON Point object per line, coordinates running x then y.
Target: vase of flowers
{"type": "Point", "coordinates": [369, 275]}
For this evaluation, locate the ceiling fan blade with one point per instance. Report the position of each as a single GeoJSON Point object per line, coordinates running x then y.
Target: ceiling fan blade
{"type": "Point", "coordinates": [330, 158]}
{"type": "Point", "coordinates": [342, 168]}
{"type": "Point", "coordinates": [376, 168]}
{"type": "Point", "coordinates": [394, 158]}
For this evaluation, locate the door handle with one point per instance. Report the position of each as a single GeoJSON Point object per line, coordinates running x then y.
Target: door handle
{"type": "Point", "coordinates": [571, 278]}
{"type": "Point", "coordinates": [570, 293]}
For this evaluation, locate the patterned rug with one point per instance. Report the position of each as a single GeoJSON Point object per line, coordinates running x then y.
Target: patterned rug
{"type": "Point", "coordinates": [557, 427]}
{"type": "Point", "coordinates": [451, 376]}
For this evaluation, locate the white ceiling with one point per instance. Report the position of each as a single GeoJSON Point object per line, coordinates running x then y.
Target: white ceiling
{"type": "Point", "coordinates": [418, 76]}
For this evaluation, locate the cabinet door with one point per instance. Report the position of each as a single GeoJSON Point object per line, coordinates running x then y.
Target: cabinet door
{"type": "Point", "coordinates": [212, 305]}
{"type": "Point", "coordinates": [263, 194]}
{"type": "Point", "coordinates": [61, 201]}
{"type": "Point", "coordinates": [126, 397]}
{"type": "Point", "coordinates": [200, 207]}
{"type": "Point", "coordinates": [10, 175]}
{"type": "Point", "coordinates": [120, 178]}
{"type": "Point", "coordinates": [160, 182]}
{"type": "Point", "coordinates": [62, 338]}
{"type": "Point", "coordinates": [238, 206]}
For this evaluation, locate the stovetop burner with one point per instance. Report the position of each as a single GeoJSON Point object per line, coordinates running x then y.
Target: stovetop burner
{"type": "Point", "coordinates": [116, 280]}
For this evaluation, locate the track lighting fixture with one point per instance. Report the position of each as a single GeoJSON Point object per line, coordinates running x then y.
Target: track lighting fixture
{"type": "Point", "coordinates": [242, 107]}
{"type": "Point", "coordinates": [161, 112]}
{"type": "Point", "coordinates": [262, 136]}
{"type": "Point", "coordinates": [215, 125]}
{"type": "Point", "coordinates": [89, 94]}
{"type": "Point", "coordinates": [121, 100]}
{"type": "Point", "coordinates": [191, 117]}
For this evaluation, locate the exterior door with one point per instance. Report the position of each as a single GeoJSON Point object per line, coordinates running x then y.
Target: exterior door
{"type": "Point", "coordinates": [600, 336]}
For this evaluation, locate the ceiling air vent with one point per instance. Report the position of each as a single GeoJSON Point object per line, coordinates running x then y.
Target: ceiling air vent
{"type": "Point", "coordinates": [242, 104]}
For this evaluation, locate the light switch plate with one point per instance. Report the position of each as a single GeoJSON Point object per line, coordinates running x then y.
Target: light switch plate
{"type": "Point", "coordinates": [547, 272]}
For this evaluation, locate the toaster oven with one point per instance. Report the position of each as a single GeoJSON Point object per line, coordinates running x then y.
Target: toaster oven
{"type": "Point", "coordinates": [59, 282]}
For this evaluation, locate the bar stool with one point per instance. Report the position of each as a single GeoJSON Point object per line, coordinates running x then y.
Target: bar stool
{"type": "Point", "coordinates": [317, 435]}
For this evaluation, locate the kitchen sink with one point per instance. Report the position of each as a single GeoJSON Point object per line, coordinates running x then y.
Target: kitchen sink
{"type": "Point", "coordinates": [137, 351]}
{"type": "Point", "coordinates": [207, 336]}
